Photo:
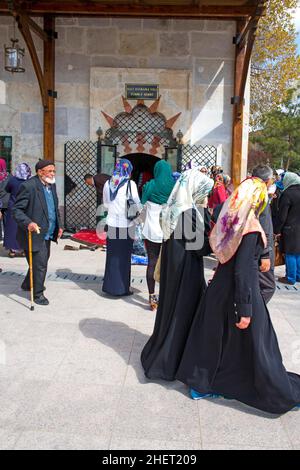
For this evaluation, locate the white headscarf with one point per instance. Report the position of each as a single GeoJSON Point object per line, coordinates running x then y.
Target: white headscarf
{"type": "Point", "coordinates": [190, 190]}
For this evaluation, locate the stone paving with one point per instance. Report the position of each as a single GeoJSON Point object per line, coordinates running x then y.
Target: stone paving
{"type": "Point", "coordinates": [70, 373]}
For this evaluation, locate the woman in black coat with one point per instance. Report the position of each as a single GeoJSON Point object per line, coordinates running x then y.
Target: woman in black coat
{"type": "Point", "coordinates": [23, 172]}
{"type": "Point", "coordinates": [4, 196]}
{"type": "Point", "coordinates": [232, 347]}
{"type": "Point", "coordinates": [288, 226]}
{"type": "Point", "coordinates": [182, 282]}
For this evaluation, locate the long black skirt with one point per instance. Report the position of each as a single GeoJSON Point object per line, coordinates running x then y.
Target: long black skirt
{"type": "Point", "coordinates": [118, 261]}
{"type": "Point", "coordinates": [182, 284]}
{"type": "Point", "coordinates": [245, 365]}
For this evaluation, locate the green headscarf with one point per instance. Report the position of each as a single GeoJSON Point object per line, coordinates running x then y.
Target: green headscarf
{"type": "Point", "coordinates": [159, 189]}
{"type": "Point", "coordinates": [290, 179]}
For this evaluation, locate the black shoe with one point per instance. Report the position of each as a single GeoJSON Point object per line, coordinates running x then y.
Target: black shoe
{"type": "Point", "coordinates": [41, 300]}
{"type": "Point", "coordinates": [284, 280]}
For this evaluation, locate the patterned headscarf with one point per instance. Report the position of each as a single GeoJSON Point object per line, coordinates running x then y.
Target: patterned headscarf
{"type": "Point", "coordinates": [23, 171]}
{"type": "Point", "coordinates": [189, 191]}
{"type": "Point", "coordinates": [290, 179]}
{"type": "Point", "coordinates": [3, 169]}
{"type": "Point", "coordinates": [120, 176]}
{"type": "Point", "coordinates": [239, 216]}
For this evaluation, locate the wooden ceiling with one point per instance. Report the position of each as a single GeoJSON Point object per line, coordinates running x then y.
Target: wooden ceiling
{"type": "Point", "coordinates": [214, 9]}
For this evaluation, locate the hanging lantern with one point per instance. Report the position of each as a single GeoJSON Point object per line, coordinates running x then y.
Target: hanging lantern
{"type": "Point", "coordinates": [14, 55]}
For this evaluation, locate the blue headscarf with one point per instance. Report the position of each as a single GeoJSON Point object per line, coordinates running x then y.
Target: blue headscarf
{"type": "Point", "coordinates": [23, 171]}
{"type": "Point", "coordinates": [279, 183]}
{"type": "Point", "coordinates": [120, 176]}
{"type": "Point", "coordinates": [176, 175]}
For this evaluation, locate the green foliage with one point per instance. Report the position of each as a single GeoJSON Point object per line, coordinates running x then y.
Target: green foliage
{"type": "Point", "coordinates": [279, 136]}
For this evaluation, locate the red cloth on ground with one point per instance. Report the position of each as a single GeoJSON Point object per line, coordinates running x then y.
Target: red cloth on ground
{"type": "Point", "coordinates": [90, 237]}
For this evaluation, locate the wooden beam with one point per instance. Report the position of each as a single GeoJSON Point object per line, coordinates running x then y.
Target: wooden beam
{"type": "Point", "coordinates": [238, 113]}
{"type": "Point", "coordinates": [45, 75]}
{"type": "Point", "coordinates": [25, 31]}
{"type": "Point", "coordinates": [246, 32]}
{"type": "Point", "coordinates": [17, 10]}
{"type": "Point", "coordinates": [133, 10]}
{"type": "Point", "coordinates": [49, 80]}
{"type": "Point", "coordinates": [251, 24]}
{"type": "Point", "coordinates": [246, 64]}
{"type": "Point", "coordinates": [36, 28]}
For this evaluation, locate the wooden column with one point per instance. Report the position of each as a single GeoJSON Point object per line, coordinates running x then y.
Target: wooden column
{"type": "Point", "coordinates": [49, 80]}
{"type": "Point", "coordinates": [45, 74]}
{"type": "Point", "coordinates": [238, 112]}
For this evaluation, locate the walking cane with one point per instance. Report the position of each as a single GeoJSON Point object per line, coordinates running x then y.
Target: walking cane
{"type": "Point", "coordinates": [30, 269]}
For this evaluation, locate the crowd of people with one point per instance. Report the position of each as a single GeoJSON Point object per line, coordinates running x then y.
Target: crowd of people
{"type": "Point", "coordinates": [217, 339]}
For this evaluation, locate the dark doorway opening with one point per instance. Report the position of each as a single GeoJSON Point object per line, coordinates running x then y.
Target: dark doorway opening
{"type": "Point", "coordinates": [143, 167]}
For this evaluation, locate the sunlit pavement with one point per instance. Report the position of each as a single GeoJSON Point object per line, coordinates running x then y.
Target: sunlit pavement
{"type": "Point", "coordinates": [71, 378]}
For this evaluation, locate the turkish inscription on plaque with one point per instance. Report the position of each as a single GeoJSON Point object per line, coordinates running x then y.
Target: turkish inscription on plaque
{"type": "Point", "coordinates": [141, 92]}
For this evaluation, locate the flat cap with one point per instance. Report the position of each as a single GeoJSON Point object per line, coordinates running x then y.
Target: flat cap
{"type": "Point", "coordinates": [42, 163]}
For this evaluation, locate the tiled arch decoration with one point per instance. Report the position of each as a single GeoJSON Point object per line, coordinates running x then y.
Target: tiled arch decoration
{"type": "Point", "coordinates": [140, 129]}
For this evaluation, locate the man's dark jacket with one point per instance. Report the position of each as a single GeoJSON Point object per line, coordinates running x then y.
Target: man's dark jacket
{"type": "Point", "coordinates": [99, 181]}
{"type": "Point", "coordinates": [31, 206]}
{"type": "Point", "coordinates": [288, 220]}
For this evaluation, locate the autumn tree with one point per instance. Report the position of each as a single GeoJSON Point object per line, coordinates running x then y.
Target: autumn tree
{"type": "Point", "coordinates": [275, 63]}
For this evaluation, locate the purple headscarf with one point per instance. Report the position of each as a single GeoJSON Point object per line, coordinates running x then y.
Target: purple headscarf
{"type": "Point", "coordinates": [23, 171]}
{"type": "Point", "coordinates": [3, 169]}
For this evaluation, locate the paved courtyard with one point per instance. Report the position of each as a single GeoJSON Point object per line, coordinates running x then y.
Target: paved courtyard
{"type": "Point", "coordinates": [70, 373]}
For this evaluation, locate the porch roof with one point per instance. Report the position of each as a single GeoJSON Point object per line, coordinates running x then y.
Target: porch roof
{"type": "Point", "coordinates": [209, 9]}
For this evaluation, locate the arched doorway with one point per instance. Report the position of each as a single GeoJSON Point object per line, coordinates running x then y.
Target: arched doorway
{"type": "Point", "coordinates": [143, 166]}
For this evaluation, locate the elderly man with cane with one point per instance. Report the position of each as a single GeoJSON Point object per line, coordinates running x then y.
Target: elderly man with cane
{"type": "Point", "coordinates": [36, 211]}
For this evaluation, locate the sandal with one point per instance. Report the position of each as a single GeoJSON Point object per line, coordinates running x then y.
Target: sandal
{"type": "Point", "coordinates": [153, 301]}
{"type": "Point", "coordinates": [11, 254]}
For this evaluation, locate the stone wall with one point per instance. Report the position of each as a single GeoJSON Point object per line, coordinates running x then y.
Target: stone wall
{"type": "Point", "coordinates": [202, 50]}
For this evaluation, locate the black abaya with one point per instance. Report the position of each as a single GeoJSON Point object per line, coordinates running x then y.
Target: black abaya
{"type": "Point", "coordinates": [182, 284]}
{"type": "Point", "coordinates": [242, 364]}
{"type": "Point", "coordinates": [118, 261]}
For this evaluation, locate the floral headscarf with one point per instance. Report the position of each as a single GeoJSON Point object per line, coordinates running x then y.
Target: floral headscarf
{"type": "Point", "coordinates": [23, 171]}
{"type": "Point", "coordinates": [120, 176]}
{"type": "Point", "coordinates": [3, 169]}
{"type": "Point", "coordinates": [239, 216]}
{"type": "Point", "coordinates": [189, 191]}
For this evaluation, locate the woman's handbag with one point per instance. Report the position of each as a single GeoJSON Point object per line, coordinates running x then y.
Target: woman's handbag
{"type": "Point", "coordinates": [279, 256]}
{"type": "Point", "coordinates": [133, 210]}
